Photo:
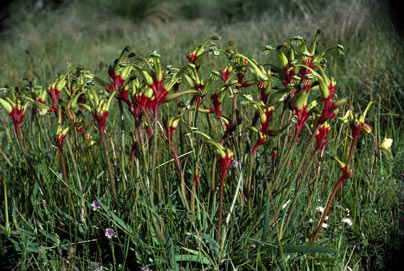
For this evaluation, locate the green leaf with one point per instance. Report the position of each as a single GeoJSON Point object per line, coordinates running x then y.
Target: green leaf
{"type": "Point", "coordinates": [308, 249]}
{"type": "Point", "coordinates": [192, 258]}
{"type": "Point", "coordinates": [117, 221]}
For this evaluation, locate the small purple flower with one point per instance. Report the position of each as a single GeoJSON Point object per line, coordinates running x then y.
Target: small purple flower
{"type": "Point", "coordinates": [96, 205]}
{"type": "Point", "coordinates": [109, 233]}
{"type": "Point", "coordinates": [236, 163]}
{"type": "Point", "coordinates": [60, 175]}
{"type": "Point", "coordinates": [145, 268]}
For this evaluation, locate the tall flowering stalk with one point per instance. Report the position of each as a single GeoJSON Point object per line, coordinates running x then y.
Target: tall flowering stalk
{"type": "Point", "coordinates": [195, 55]}
{"type": "Point", "coordinates": [148, 97]}
{"type": "Point", "coordinates": [16, 108]}
{"type": "Point", "coordinates": [171, 125]}
{"type": "Point", "coordinates": [100, 110]}
{"type": "Point", "coordinates": [60, 136]}
{"type": "Point", "coordinates": [197, 176]}
{"type": "Point", "coordinates": [357, 123]}
{"type": "Point", "coordinates": [54, 90]}
{"type": "Point", "coordinates": [346, 173]}
{"type": "Point", "coordinates": [119, 74]}
{"type": "Point", "coordinates": [264, 113]}
{"type": "Point", "coordinates": [225, 159]}
{"type": "Point", "coordinates": [321, 142]}
{"type": "Point", "coordinates": [260, 141]}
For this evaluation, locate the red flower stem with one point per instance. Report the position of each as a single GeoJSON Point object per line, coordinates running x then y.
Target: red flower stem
{"type": "Point", "coordinates": [306, 172]}
{"type": "Point", "coordinates": [286, 160]}
{"type": "Point", "coordinates": [313, 136]}
{"type": "Point", "coordinates": [177, 161]}
{"type": "Point", "coordinates": [351, 151]}
{"type": "Point", "coordinates": [142, 145]}
{"type": "Point", "coordinates": [249, 182]}
{"type": "Point", "coordinates": [147, 119]}
{"type": "Point", "coordinates": [132, 159]}
{"type": "Point", "coordinates": [234, 113]}
{"type": "Point", "coordinates": [312, 191]}
{"type": "Point", "coordinates": [325, 213]}
{"type": "Point", "coordinates": [21, 146]}
{"type": "Point", "coordinates": [107, 159]}
{"type": "Point", "coordinates": [66, 179]}
{"type": "Point", "coordinates": [213, 176]}
{"type": "Point", "coordinates": [291, 145]}
{"type": "Point", "coordinates": [280, 125]}
{"type": "Point", "coordinates": [219, 221]}
{"type": "Point", "coordinates": [193, 199]}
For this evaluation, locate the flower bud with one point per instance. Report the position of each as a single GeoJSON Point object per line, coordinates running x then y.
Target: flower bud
{"type": "Point", "coordinates": [125, 72]}
{"type": "Point", "coordinates": [341, 102]}
{"type": "Point", "coordinates": [173, 96]}
{"type": "Point", "coordinates": [386, 144]}
{"type": "Point", "coordinates": [366, 128]}
{"type": "Point", "coordinates": [7, 105]}
{"type": "Point", "coordinates": [60, 135]}
{"type": "Point", "coordinates": [60, 83]}
{"type": "Point", "coordinates": [274, 153]}
{"type": "Point", "coordinates": [302, 100]}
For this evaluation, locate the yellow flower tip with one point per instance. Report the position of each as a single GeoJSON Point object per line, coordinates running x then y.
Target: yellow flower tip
{"type": "Point", "coordinates": [229, 153]}
{"type": "Point", "coordinates": [333, 82]}
{"type": "Point", "coordinates": [341, 164]}
{"type": "Point", "coordinates": [386, 144]}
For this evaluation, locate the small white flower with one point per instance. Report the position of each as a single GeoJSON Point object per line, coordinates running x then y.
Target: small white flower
{"type": "Point", "coordinates": [320, 209]}
{"type": "Point", "coordinates": [310, 221]}
{"type": "Point", "coordinates": [347, 221]}
{"type": "Point", "coordinates": [325, 226]}
{"type": "Point", "coordinates": [326, 218]}
{"type": "Point", "coordinates": [286, 204]}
